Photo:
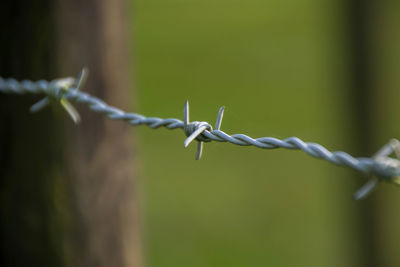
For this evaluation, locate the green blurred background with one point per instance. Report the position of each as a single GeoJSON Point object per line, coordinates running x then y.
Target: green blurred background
{"type": "Point", "coordinates": [281, 68]}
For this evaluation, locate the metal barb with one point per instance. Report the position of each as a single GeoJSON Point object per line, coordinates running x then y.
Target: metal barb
{"type": "Point", "coordinates": [366, 189]}
{"type": "Point", "coordinates": [194, 134]}
{"type": "Point", "coordinates": [199, 150]}
{"type": "Point", "coordinates": [194, 129]}
{"type": "Point", "coordinates": [81, 80]}
{"type": "Point", "coordinates": [186, 113]}
{"type": "Point", "coordinates": [39, 105]}
{"type": "Point", "coordinates": [384, 161]}
{"type": "Point", "coordinates": [73, 113]}
{"type": "Point", "coordinates": [79, 83]}
{"type": "Point", "coordinates": [396, 147]}
{"type": "Point", "coordinates": [57, 93]}
{"type": "Point", "coordinates": [219, 118]}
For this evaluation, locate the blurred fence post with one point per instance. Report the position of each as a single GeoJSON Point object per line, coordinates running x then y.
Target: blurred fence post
{"type": "Point", "coordinates": [370, 23]}
{"type": "Point", "coordinates": [359, 36]}
{"type": "Point", "coordinates": [67, 194]}
{"type": "Point", "coordinates": [383, 78]}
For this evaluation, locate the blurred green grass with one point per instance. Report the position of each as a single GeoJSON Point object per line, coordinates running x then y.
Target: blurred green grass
{"type": "Point", "coordinates": [278, 67]}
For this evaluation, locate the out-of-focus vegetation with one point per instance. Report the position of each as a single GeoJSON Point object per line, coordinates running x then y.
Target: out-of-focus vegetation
{"type": "Point", "coordinates": [281, 68]}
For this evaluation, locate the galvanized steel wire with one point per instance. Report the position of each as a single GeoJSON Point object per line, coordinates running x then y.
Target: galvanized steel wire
{"type": "Point", "coordinates": [68, 89]}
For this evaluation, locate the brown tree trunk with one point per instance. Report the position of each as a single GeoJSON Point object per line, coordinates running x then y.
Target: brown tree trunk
{"type": "Point", "coordinates": [67, 192]}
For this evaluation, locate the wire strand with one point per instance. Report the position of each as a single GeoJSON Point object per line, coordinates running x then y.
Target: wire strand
{"type": "Point", "coordinates": [66, 89]}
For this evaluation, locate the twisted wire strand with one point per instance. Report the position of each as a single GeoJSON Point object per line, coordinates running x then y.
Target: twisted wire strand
{"type": "Point", "coordinates": [63, 88]}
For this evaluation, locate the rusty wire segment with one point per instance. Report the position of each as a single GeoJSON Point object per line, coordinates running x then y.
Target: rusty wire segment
{"type": "Point", "coordinates": [380, 167]}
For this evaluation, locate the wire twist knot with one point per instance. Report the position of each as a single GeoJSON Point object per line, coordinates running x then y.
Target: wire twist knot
{"type": "Point", "coordinates": [193, 126]}
{"type": "Point", "coordinates": [58, 88]}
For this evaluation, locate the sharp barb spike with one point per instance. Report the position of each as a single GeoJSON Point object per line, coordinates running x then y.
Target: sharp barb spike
{"type": "Point", "coordinates": [219, 118]}
{"type": "Point", "coordinates": [39, 105]}
{"type": "Point", "coordinates": [73, 113]}
{"type": "Point", "coordinates": [396, 147]}
{"type": "Point", "coordinates": [385, 151]}
{"type": "Point", "coordinates": [366, 189]}
{"type": "Point", "coordinates": [186, 113]}
{"type": "Point", "coordinates": [199, 150]}
{"type": "Point", "coordinates": [82, 77]}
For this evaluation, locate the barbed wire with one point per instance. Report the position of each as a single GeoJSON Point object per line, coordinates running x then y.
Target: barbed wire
{"type": "Point", "coordinates": [380, 167]}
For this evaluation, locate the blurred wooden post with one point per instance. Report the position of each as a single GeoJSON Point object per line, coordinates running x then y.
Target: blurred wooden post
{"type": "Point", "coordinates": [361, 93]}
{"type": "Point", "coordinates": [385, 81]}
{"type": "Point", "coordinates": [67, 192]}
{"type": "Point", "coordinates": [375, 85]}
